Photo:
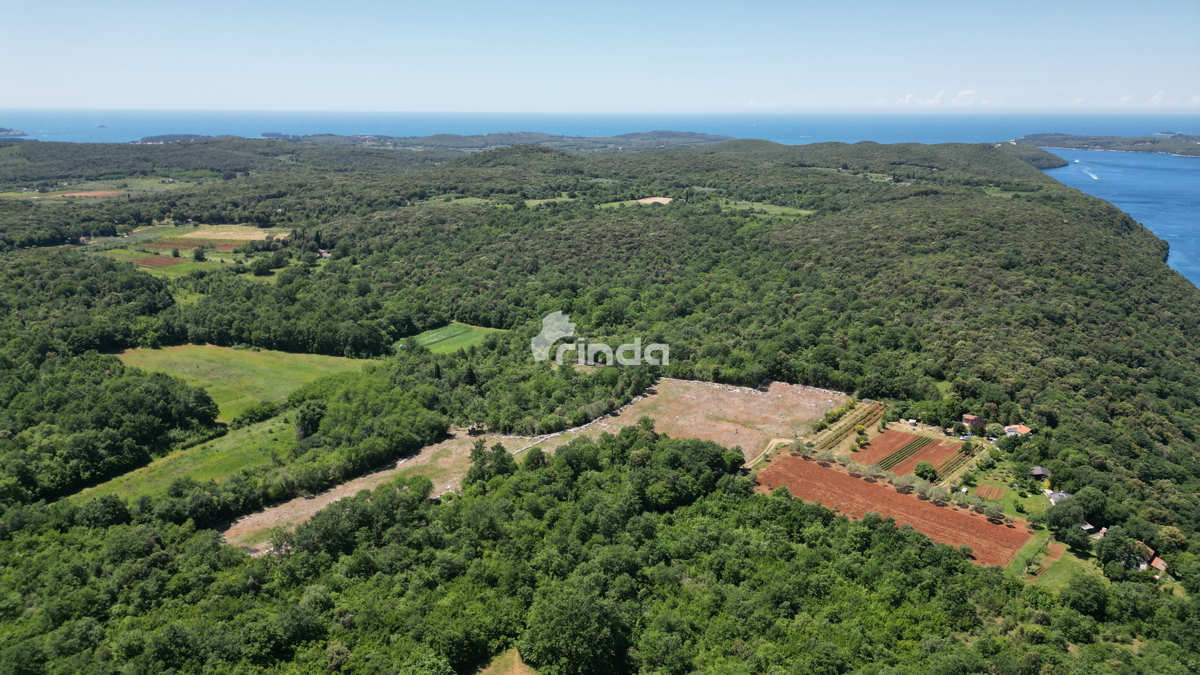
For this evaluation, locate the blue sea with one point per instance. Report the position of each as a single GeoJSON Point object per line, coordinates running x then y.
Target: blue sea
{"type": "Point", "coordinates": [122, 126]}
{"type": "Point", "coordinates": [1160, 191]}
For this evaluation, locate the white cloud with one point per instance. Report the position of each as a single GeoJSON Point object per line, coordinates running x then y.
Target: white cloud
{"type": "Point", "coordinates": [964, 98]}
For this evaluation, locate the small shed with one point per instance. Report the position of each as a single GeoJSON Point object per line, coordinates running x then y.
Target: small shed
{"type": "Point", "coordinates": [1159, 564]}
{"type": "Point", "coordinates": [1040, 473]}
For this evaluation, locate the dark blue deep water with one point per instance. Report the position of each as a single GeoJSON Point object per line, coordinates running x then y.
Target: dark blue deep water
{"type": "Point", "coordinates": [1161, 192]}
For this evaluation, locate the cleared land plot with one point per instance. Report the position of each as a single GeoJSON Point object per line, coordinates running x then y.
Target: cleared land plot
{"type": "Point", "coordinates": [934, 451]}
{"type": "Point", "coordinates": [992, 544]}
{"type": "Point", "coordinates": [158, 261]}
{"type": "Point", "coordinates": [683, 409]}
{"type": "Point", "coordinates": [182, 267]}
{"type": "Point", "coordinates": [990, 493]}
{"type": "Point", "coordinates": [237, 379]}
{"type": "Point", "coordinates": [508, 663]}
{"type": "Point", "coordinates": [244, 448]}
{"type": "Point", "coordinates": [637, 202]}
{"type": "Point", "coordinates": [734, 416]}
{"type": "Point", "coordinates": [234, 233]}
{"type": "Point", "coordinates": [452, 337]}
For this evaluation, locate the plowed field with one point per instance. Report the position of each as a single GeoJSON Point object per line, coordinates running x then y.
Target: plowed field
{"type": "Point", "coordinates": [991, 493]}
{"type": "Point", "coordinates": [935, 453]}
{"type": "Point", "coordinates": [891, 440]}
{"type": "Point", "coordinates": [992, 544]}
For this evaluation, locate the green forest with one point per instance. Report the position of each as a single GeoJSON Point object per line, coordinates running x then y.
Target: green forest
{"type": "Point", "coordinates": [943, 280]}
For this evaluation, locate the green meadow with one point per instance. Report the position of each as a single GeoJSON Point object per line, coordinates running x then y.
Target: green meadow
{"type": "Point", "coordinates": [452, 337]}
{"type": "Point", "coordinates": [255, 445]}
{"type": "Point", "coordinates": [236, 378]}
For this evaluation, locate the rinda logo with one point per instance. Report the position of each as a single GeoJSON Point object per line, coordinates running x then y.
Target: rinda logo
{"type": "Point", "coordinates": [554, 327]}
{"type": "Point", "coordinates": [558, 325]}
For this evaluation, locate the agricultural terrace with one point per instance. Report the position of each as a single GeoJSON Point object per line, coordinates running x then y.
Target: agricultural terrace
{"type": "Point", "coordinates": [900, 452]}
{"type": "Point", "coordinates": [236, 378]}
{"type": "Point", "coordinates": [846, 419]}
{"type": "Point", "coordinates": [992, 543]}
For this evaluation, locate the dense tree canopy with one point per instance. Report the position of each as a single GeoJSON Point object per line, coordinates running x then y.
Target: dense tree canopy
{"type": "Point", "coordinates": [944, 279]}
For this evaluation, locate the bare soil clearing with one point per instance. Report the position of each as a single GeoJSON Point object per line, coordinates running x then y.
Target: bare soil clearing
{"type": "Point", "coordinates": [655, 200]}
{"type": "Point", "coordinates": [731, 416]}
{"type": "Point", "coordinates": [989, 493]}
{"type": "Point", "coordinates": [158, 261]}
{"type": "Point", "coordinates": [993, 544]}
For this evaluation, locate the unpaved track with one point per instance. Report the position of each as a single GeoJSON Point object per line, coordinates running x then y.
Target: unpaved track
{"type": "Point", "coordinates": [755, 420]}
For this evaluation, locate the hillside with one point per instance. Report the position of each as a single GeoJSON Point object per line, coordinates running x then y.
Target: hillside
{"type": "Point", "coordinates": [936, 280]}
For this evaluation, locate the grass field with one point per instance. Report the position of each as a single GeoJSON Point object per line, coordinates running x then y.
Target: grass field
{"type": "Point", "coordinates": [251, 446]}
{"type": "Point", "coordinates": [508, 663]}
{"type": "Point", "coordinates": [182, 269]}
{"type": "Point", "coordinates": [124, 186]}
{"type": "Point", "coordinates": [1063, 569]}
{"type": "Point", "coordinates": [237, 379]}
{"type": "Point", "coordinates": [453, 337]}
{"type": "Point", "coordinates": [1002, 477]}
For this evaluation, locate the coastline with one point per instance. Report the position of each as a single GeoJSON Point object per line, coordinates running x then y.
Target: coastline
{"type": "Point", "coordinates": [1135, 152]}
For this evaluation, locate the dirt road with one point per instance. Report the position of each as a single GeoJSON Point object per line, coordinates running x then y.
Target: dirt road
{"type": "Point", "coordinates": [731, 416]}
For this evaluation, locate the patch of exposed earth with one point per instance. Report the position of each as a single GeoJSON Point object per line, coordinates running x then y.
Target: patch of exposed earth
{"type": "Point", "coordinates": [753, 420]}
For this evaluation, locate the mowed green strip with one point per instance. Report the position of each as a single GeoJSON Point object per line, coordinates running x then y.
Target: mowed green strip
{"type": "Point", "coordinates": [235, 378]}
{"type": "Point", "coordinates": [255, 445]}
{"type": "Point", "coordinates": [453, 337]}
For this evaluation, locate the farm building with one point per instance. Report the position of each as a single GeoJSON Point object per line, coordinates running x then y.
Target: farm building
{"type": "Point", "coordinates": [973, 421]}
{"type": "Point", "coordinates": [1159, 564]}
{"type": "Point", "coordinates": [1017, 430]}
{"type": "Point", "coordinates": [1040, 473]}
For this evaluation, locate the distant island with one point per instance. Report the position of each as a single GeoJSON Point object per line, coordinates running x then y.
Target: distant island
{"type": "Point", "coordinates": [1173, 144]}
{"type": "Point", "coordinates": [173, 138]}
{"type": "Point", "coordinates": [4, 131]}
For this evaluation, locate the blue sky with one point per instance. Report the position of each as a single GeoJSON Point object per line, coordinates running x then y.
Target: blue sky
{"type": "Point", "coordinates": [612, 57]}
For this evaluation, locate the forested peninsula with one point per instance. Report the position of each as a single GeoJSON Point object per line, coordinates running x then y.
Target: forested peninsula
{"type": "Point", "coordinates": [1164, 143]}
{"type": "Point", "coordinates": [941, 289]}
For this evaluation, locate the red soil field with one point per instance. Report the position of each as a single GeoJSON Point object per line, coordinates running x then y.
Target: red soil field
{"type": "Point", "coordinates": [988, 492]}
{"type": "Point", "coordinates": [883, 445]}
{"type": "Point", "coordinates": [935, 453]}
{"type": "Point", "coordinates": [891, 440]}
{"type": "Point", "coordinates": [158, 261]}
{"type": "Point", "coordinates": [992, 544]}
